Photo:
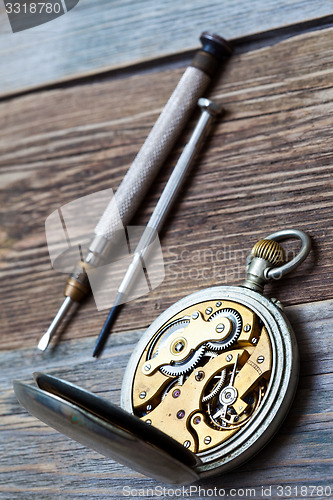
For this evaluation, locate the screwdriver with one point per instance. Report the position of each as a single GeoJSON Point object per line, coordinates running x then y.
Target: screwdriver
{"type": "Point", "coordinates": [209, 110]}
{"type": "Point", "coordinates": [144, 168]}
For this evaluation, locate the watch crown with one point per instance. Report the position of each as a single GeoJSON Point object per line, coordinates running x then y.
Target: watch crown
{"type": "Point", "coordinates": [269, 250]}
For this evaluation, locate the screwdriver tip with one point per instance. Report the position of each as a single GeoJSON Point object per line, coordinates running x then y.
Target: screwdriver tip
{"type": "Point", "coordinates": [64, 309]}
{"type": "Point", "coordinates": [96, 351]}
{"type": "Point", "coordinates": [44, 342]}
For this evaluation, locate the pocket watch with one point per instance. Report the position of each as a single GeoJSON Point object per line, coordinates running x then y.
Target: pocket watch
{"type": "Point", "coordinates": [207, 386]}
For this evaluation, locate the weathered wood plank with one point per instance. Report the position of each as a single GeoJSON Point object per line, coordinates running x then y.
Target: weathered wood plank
{"type": "Point", "coordinates": [102, 35]}
{"type": "Point", "coordinates": [37, 462]}
{"type": "Point", "coordinates": [267, 166]}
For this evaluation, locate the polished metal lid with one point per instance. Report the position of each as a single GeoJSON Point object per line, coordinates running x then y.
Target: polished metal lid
{"type": "Point", "coordinates": [107, 428]}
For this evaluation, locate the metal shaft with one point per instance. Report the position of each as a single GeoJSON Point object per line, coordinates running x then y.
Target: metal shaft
{"type": "Point", "coordinates": [171, 190]}
{"type": "Point", "coordinates": [64, 309]}
{"type": "Point", "coordinates": [146, 165]}
{"type": "Point", "coordinates": [168, 196]}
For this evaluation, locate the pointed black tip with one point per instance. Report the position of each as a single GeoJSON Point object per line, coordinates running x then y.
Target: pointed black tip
{"type": "Point", "coordinates": [96, 352]}
{"type": "Point", "coordinates": [105, 331]}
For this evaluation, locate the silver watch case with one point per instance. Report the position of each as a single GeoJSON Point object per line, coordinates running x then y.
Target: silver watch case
{"type": "Point", "coordinates": [280, 392]}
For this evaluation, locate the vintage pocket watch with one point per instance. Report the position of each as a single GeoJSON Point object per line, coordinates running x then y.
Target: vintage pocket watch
{"type": "Point", "coordinates": [207, 386]}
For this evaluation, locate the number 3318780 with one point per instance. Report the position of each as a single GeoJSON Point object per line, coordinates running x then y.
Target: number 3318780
{"type": "Point", "coordinates": [33, 8]}
{"type": "Point", "coordinates": [303, 491]}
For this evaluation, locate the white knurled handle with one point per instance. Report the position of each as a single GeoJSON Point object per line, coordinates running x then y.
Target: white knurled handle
{"type": "Point", "coordinates": [154, 151]}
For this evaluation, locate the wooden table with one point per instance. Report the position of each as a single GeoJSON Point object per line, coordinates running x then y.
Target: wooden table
{"type": "Point", "coordinates": [73, 129]}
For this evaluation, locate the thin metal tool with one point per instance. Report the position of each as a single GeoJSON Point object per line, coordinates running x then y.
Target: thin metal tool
{"type": "Point", "coordinates": [209, 110]}
{"type": "Point", "coordinates": [215, 50]}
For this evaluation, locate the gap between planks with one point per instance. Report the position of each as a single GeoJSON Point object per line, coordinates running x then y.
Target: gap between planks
{"type": "Point", "coordinates": [98, 36]}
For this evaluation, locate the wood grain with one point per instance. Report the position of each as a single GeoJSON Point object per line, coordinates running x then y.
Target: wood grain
{"type": "Point", "coordinates": [267, 166]}
{"type": "Point", "coordinates": [102, 35]}
{"type": "Point", "coordinates": [37, 462]}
